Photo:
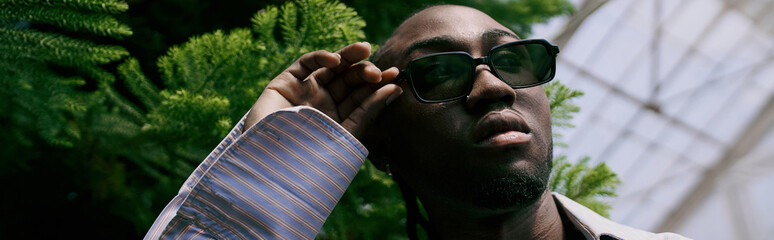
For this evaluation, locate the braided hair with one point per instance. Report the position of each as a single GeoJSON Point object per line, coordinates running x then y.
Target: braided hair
{"type": "Point", "coordinates": [413, 216]}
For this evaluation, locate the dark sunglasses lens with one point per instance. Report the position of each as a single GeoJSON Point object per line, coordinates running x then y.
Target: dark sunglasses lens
{"type": "Point", "coordinates": [442, 77]}
{"type": "Point", "coordinates": [523, 65]}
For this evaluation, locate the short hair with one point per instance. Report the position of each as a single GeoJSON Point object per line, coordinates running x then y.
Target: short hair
{"type": "Point", "coordinates": [376, 57]}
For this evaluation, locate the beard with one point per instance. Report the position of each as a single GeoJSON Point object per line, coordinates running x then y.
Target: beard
{"type": "Point", "coordinates": [515, 190]}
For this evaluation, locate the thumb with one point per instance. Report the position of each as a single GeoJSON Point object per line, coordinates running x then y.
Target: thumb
{"type": "Point", "coordinates": [363, 117]}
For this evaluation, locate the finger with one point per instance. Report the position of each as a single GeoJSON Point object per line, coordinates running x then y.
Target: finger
{"type": "Point", "coordinates": [389, 75]}
{"type": "Point", "coordinates": [312, 61]}
{"type": "Point", "coordinates": [354, 77]}
{"type": "Point", "coordinates": [340, 91]}
{"type": "Point", "coordinates": [363, 116]}
{"type": "Point", "coordinates": [363, 72]}
{"type": "Point", "coordinates": [296, 91]}
{"type": "Point", "coordinates": [354, 100]}
{"type": "Point", "coordinates": [352, 54]}
{"type": "Point", "coordinates": [320, 77]}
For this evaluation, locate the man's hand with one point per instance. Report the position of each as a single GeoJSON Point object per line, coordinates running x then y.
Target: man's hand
{"type": "Point", "coordinates": [350, 92]}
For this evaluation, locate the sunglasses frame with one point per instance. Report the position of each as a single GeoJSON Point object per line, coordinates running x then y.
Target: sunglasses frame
{"type": "Point", "coordinates": [552, 51]}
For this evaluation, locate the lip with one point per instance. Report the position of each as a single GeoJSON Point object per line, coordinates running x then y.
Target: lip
{"type": "Point", "coordinates": [501, 128]}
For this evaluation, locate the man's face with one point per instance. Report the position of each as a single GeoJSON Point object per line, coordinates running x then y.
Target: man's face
{"type": "Point", "coordinates": [491, 149]}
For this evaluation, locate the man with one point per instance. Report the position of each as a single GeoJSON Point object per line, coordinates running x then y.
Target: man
{"type": "Point", "coordinates": [472, 140]}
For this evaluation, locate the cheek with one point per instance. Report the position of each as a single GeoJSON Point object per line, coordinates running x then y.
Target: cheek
{"type": "Point", "coordinates": [427, 131]}
{"type": "Point", "coordinates": [536, 104]}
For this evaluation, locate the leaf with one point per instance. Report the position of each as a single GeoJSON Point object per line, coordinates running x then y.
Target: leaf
{"type": "Point", "coordinates": [588, 186]}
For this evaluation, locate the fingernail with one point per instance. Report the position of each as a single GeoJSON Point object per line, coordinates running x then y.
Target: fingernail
{"type": "Point", "coordinates": [373, 69]}
{"type": "Point", "coordinates": [338, 55]}
{"type": "Point", "coordinates": [394, 96]}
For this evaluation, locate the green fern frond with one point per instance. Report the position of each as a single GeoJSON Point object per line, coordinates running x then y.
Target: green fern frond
{"type": "Point", "coordinates": [138, 84]}
{"type": "Point", "coordinates": [114, 125]}
{"type": "Point", "coordinates": [39, 46]}
{"type": "Point", "coordinates": [292, 34]}
{"type": "Point", "coordinates": [264, 22]}
{"type": "Point", "coordinates": [559, 99]}
{"type": "Point", "coordinates": [198, 64]}
{"type": "Point", "coordinates": [185, 115]}
{"type": "Point", "coordinates": [584, 184]}
{"type": "Point", "coordinates": [102, 6]}
{"type": "Point", "coordinates": [329, 23]}
{"type": "Point", "coordinates": [42, 100]}
{"type": "Point", "coordinates": [122, 104]}
{"type": "Point", "coordinates": [560, 165]}
{"type": "Point", "coordinates": [97, 23]}
{"type": "Point", "coordinates": [97, 73]}
{"type": "Point", "coordinates": [562, 108]}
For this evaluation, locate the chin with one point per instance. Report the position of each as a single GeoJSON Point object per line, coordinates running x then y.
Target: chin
{"type": "Point", "coordinates": [521, 186]}
{"type": "Point", "coordinates": [509, 192]}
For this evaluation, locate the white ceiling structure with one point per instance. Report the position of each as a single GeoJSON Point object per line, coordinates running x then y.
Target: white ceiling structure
{"type": "Point", "coordinates": [680, 103]}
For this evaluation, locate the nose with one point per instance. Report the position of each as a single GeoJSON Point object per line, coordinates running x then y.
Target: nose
{"type": "Point", "coordinates": [489, 92]}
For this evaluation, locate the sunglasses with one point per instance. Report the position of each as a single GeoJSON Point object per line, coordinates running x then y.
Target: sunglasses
{"type": "Point", "coordinates": [449, 76]}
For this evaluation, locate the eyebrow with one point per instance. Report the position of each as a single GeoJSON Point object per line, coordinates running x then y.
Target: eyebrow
{"type": "Point", "coordinates": [490, 35]}
{"type": "Point", "coordinates": [493, 34]}
{"type": "Point", "coordinates": [435, 42]}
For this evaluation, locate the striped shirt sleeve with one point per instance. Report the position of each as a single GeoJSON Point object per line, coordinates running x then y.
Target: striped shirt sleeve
{"type": "Point", "coordinates": [280, 179]}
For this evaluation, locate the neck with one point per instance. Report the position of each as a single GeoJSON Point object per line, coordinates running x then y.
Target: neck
{"type": "Point", "coordinates": [540, 220]}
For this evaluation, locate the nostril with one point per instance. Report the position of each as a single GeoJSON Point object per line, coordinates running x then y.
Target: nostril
{"type": "Point", "coordinates": [509, 98]}
{"type": "Point", "coordinates": [488, 90]}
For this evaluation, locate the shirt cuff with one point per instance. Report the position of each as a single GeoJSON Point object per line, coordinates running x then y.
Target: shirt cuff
{"type": "Point", "coordinates": [281, 178]}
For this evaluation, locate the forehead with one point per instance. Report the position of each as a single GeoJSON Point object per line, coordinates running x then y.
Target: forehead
{"type": "Point", "coordinates": [448, 28]}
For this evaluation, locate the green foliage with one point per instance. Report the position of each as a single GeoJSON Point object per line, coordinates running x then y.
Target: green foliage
{"type": "Point", "coordinates": [62, 113]}
{"type": "Point", "coordinates": [580, 182]}
{"type": "Point", "coordinates": [559, 99]}
{"type": "Point", "coordinates": [562, 108]}
{"type": "Point", "coordinates": [584, 184]}
{"type": "Point", "coordinates": [40, 97]}
{"type": "Point", "coordinates": [106, 6]}
{"type": "Point", "coordinates": [371, 208]}
{"type": "Point", "coordinates": [97, 23]}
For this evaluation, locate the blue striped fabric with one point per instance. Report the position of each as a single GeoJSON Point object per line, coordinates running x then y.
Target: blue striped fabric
{"type": "Point", "coordinates": [278, 180]}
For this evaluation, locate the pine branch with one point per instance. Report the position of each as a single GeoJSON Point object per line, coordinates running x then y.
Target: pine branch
{"type": "Point", "coordinates": [327, 23]}
{"type": "Point", "coordinates": [42, 100]}
{"type": "Point", "coordinates": [559, 99]}
{"type": "Point", "coordinates": [264, 22]}
{"type": "Point", "coordinates": [199, 64]}
{"type": "Point", "coordinates": [584, 184]}
{"type": "Point", "coordinates": [123, 105]}
{"type": "Point", "coordinates": [102, 6]}
{"type": "Point", "coordinates": [97, 23]}
{"type": "Point", "coordinates": [292, 34]}
{"type": "Point", "coordinates": [115, 126]}
{"type": "Point", "coordinates": [562, 108]}
{"type": "Point", "coordinates": [138, 84]}
{"type": "Point", "coordinates": [560, 165]}
{"type": "Point", "coordinates": [188, 117]}
{"type": "Point", "coordinates": [38, 46]}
